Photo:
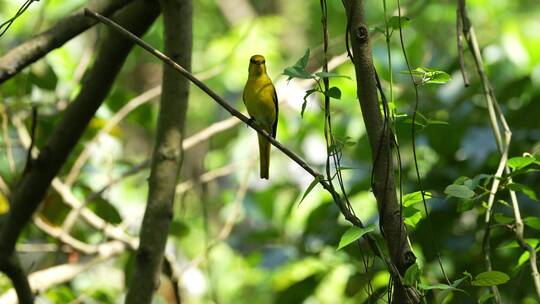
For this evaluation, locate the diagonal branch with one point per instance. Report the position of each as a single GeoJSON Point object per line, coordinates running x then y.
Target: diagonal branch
{"type": "Point", "coordinates": [47, 278]}
{"type": "Point", "coordinates": [336, 197]}
{"type": "Point", "coordinates": [33, 49]}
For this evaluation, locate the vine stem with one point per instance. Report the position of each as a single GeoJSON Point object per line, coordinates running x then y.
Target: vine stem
{"type": "Point", "coordinates": [413, 142]}
{"type": "Point", "coordinates": [497, 120]}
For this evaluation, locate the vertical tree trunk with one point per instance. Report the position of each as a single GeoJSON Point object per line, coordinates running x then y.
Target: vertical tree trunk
{"type": "Point", "coordinates": [379, 137]}
{"type": "Point", "coordinates": [112, 53]}
{"type": "Point", "coordinates": [167, 158]}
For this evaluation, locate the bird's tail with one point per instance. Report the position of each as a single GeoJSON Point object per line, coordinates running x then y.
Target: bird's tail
{"type": "Point", "coordinates": [264, 155]}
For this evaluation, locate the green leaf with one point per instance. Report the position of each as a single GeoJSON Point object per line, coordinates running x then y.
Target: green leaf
{"type": "Point", "coordinates": [485, 297]}
{"type": "Point", "coordinates": [473, 183]}
{"type": "Point", "coordinates": [330, 74]}
{"type": "Point", "coordinates": [377, 29]}
{"type": "Point", "coordinates": [413, 219]}
{"type": "Point", "coordinates": [411, 275]}
{"type": "Point", "coordinates": [490, 278]}
{"type": "Point", "coordinates": [334, 92]}
{"type": "Point", "coordinates": [523, 189]}
{"type": "Point", "coordinates": [455, 284]}
{"type": "Point", "coordinates": [178, 228]}
{"type": "Point", "coordinates": [458, 191]}
{"type": "Point", "coordinates": [410, 199]}
{"type": "Point", "coordinates": [438, 286]}
{"type": "Point", "coordinates": [315, 181]}
{"type": "Point", "coordinates": [303, 61]}
{"type": "Point", "coordinates": [106, 210]}
{"type": "Point", "coordinates": [533, 222]}
{"type": "Point", "coordinates": [308, 92]}
{"type": "Point", "coordinates": [520, 162]}
{"type": "Point", "coordinates": [352, 234]}
{"type": "Point", "coordinates": [42, 75]}
{"type": "Point", "coordinates": [298, 70]}
{"type": "Point", "coordinates": [524, 257]}
{"type": "Point", "coordinates": [428, 75]}
{"type": "Point", "coordinates": [347, 168]}
{"type": "Point", "coordinates": [502, 219]}
{"type": "Point", "coordinates": [393, 22]}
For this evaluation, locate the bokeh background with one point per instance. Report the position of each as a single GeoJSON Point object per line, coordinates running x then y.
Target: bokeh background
{"type": "Point", "coordinates": [239, 239]}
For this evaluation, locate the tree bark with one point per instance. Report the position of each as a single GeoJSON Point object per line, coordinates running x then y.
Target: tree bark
{"type": "Point", "coordinates": [380, 140]}
{"type": "Point", "coordinates": [34, 183]}
{"type": "Point", "coordinates": [168, 153]}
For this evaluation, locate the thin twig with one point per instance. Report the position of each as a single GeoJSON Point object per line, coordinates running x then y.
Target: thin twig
{"type": "Point", "coordinates": [29, 158]}
{"type": "Point", "coordinates": [413, 142]}
{"type": "Point", "coordinates": [42, 280]}
{"type": "Point", "coordinates": [7, 139]}
{"type": "Point", "coordinates": [62, 236]}
{"type": "Point", "coordinates": [207, 177]}
{"type": "Point", "coordinates": [19, 57]}
{"type": "Point", "coordinates": [5, 26]}
{"type": "Point", "coordinates": [229, 224]}
{"type": "Point", "coordinates": [111, 123]}
{"type": "Point", "coordinates": [459, 36]}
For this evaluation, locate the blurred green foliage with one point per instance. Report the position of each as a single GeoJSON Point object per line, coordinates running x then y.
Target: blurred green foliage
{"type": "Point", "coordinates": [238, 239]}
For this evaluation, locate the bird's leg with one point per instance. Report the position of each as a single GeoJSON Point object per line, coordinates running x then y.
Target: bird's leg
{"type": "Point", "coordinates": [251, 121]}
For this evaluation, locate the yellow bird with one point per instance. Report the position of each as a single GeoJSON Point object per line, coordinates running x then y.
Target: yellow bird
{"type": "Point", "coordinates": [262, 105]}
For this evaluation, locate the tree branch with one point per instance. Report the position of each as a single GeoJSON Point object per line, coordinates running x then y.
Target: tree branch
{"type": "Point", "coordinates": [168, 153]}
{"type": "Point", "coordinates": [31, 50]}
{"type": "Point", "coordinates": [337, 199]}
{"type": "Point", "coordinates": [47, 278]}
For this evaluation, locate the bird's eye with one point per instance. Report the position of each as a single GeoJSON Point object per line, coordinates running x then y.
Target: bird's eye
{"type": "Point", "coordinates": [257, 62]}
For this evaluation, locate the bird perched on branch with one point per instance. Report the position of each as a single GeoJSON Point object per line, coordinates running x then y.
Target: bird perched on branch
{"type": "Point", "coordinates": [262, 105]}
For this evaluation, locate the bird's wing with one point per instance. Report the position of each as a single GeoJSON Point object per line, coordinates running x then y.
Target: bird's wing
{"type": "Point", "coordinates": [274, 127]}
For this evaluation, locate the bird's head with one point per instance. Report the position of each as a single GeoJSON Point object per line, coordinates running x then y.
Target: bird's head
{"type": "Point", "coordinates": [256, 65]}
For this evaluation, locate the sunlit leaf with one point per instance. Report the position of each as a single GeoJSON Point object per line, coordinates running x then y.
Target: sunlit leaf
{"type": "Point", "coordinates": [415, 197]}
{"type": "Point", "coordinates": [429, 76]}
{"type": "Point", "coordinates": [411, 275]}
{"type": "Point", "coordinates": [523, 189]}
{"type": "Point", "coordinates": [394, 22]}
{"type": "Point", "coordinates": [352, 234]}
{"type": "Point", "coordinates": [520, 162]}
{"type": "Point", "coordinates": [315, 181]}
{"type": "Point", "coordinates": [490, 278]}
{"type": "Point", "coordinates": [330, 74]}
{"type": "Point", "coordinates": [413, 219]}
{"type": "Point", "coordinates": [298, 70]}
{"type": "Point", "coordinates": [533, 222]}
{"type": "Point", "coordinates": [438, 286]}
